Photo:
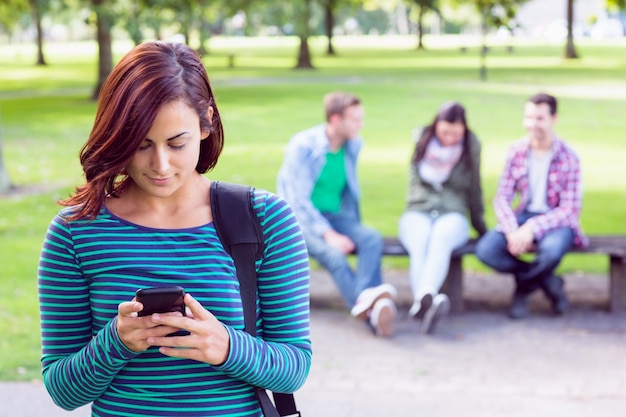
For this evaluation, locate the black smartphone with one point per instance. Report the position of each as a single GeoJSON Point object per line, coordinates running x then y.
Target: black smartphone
{"type": "Point", "coordinates": [161, 300]}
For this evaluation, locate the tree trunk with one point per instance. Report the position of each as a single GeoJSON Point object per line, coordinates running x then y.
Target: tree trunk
{"type": "Point", "coordinates": [570, 49]}
{"type": "Point", "coordinates": [105, 51]}
{"type": "Point", "coordinates": [204, 32]}
{"type": "Point", "coordinates": [420, 28]}
{"type": "Point", "coordinates": [484, 48]}
{"type": "Point", "coordinates": [304, 55]}
{"type": "Point", "coordinates": [5, 181]}
{"type": "Point", "coordinates": [330, 24]}
{"type": "Point", "coordinates": [34, 4]}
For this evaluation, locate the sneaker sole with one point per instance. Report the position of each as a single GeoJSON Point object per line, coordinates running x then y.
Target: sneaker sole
{"type": "Point", "coordinates": [418, 310]}
{"type": "Point", "coordinates": [432, 317]}
{"type": "Point", "coordinates": [360, 310]}
{"type": "Point", "coordinates": [386, 318]}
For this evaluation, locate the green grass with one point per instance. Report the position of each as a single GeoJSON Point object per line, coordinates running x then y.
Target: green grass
{"type": "Point", "coordinates": [46, 116]}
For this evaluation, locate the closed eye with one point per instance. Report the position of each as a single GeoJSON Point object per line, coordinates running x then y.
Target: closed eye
{"type": "Point", "coordinates": [176, 143]}
{"type": "Point", "coordinates": [178, 147]}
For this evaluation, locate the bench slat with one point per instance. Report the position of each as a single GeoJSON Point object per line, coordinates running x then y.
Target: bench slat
{"type": "Point", "coordinates": [612, 245]}
{"type": "Point", "coordinates": [606, 244]}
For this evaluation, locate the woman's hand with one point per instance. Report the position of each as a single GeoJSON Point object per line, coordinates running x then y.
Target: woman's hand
{"type": "Point", "coordinates": [208, 340]}
{"type": "Point", "coordinates": [134, 331]}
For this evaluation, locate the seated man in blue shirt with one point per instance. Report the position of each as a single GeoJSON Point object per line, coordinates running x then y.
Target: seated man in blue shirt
{"type": "Point", "coordinates": [318, 178]}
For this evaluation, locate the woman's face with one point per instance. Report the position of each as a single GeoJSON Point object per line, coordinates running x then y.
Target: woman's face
{"type": "Point", "coordinates": [167, 157]}
{"type": "Point", "coordinates": [449, 133]}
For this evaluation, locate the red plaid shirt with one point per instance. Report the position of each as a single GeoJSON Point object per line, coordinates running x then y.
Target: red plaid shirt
{"type": "Point", "coordinates": [564, 192]}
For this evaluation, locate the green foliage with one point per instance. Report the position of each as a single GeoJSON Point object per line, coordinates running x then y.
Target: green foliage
{"type": "Point", "coordinates": [10, 13]}
{"type": "Point", "coordinates": [615, 5]}
{"type": "Point", "coordinates": [495, 13]}
{"type": "Point", "coordinates": [47, 116]}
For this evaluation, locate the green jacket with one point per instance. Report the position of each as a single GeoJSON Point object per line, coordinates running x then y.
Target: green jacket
{"type": "Point", "coordinates": [461, 193]}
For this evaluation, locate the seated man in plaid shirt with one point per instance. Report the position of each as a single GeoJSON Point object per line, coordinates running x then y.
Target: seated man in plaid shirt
{"type": "Point", "coordinates": [544, 173]}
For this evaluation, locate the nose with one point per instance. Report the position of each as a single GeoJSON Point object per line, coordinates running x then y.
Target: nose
{"type": "Point", "coordinates": [160, 162]}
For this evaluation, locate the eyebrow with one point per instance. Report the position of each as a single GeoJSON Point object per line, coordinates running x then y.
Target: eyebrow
{"type": "Point", "coordinates": [172, 138]}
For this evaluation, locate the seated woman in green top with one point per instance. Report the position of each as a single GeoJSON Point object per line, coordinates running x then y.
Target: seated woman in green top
{"type": "Point", "coordinates": [444, 188]}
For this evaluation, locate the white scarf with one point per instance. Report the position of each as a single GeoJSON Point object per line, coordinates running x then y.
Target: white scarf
{"type": "Point", "coordinates": [438, 162]}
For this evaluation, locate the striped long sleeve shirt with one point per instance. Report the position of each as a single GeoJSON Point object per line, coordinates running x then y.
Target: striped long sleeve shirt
{"type": "Point", "coordinates": [87, 268]}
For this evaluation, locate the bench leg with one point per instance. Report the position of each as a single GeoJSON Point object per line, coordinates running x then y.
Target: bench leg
{"type": "Point", "coordinates": [453, 285]}
{"type": "Point", "coordinates": [617, 285]}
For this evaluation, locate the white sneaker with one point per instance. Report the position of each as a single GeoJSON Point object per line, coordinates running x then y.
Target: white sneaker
{"type": "Point", "coordinates": [382, 317]}
{"type": "Point", "coordinates": [439, 309]}
{"type": "Point", "coordinates": [369, 296]}
{"type": "Point", "coordinates": [421, 305]}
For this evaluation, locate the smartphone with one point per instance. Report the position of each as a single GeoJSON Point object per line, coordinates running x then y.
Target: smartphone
{"type": "Point", "coordinates": [161, 300]}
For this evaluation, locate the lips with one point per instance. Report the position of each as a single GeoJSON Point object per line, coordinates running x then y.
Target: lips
{"type": "Point", "coordinates": [159, 181]}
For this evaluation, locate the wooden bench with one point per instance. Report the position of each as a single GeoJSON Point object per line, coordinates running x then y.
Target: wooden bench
{"type": "Point", "coordinates": [614, 246]}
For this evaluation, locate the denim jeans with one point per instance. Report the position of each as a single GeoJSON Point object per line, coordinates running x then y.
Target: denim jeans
{"type": "Point", "coordinates": [430, 240]}
{"type": "Point", "coordinates": [492, 250]}
{"type": "Point", "coordinates": [369, 247]}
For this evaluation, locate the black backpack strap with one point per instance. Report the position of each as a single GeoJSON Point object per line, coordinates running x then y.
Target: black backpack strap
{"type": "Point", "coordinates": [239, 230]}
{"type": "Point", "coordinates": [286, 404]}
{"type": "Point", "coordinates": [234, 216]}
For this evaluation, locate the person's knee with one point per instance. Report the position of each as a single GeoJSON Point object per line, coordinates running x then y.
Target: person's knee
{"type": "Point", "coordinates": [375, 238]}
{"type": "Point", "coordinates": [332, 259]}
{"type": "Point", "coordinates": [483, 248]}
{"type": "Point", "coordinates": [490, 247]}
{"type": "Point", "coordinates": [554, 246]}
{"type": "Point", "coordinates": [371, 240]}
{"type": "Point", "coordinates": [550, 255]}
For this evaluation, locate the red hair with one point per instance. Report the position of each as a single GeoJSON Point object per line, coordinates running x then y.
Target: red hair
{"type": "Point", "coordinates": [150, 75]}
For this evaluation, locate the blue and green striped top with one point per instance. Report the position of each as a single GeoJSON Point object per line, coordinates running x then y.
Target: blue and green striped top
{"type": "Point", "coordinates": [87, 268]}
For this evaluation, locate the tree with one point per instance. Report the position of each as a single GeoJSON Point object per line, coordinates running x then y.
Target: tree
{"type": "Point", "coordinates": [329, 17]}
{"type": "Point", "coordinates": [5, 181]}
{"type": "Point", "coordinates": [615, 5]}
{"type": "Point", "coordinates": [37, 8]}
{"type": "Point", "coordinates": [494, 14]}
{"type": "Point", "coordinates": [10, 13]}
{"type": "Point", "coordinates": [570, 49]}
{"type": "Point", "coordinates": [303, 16]}
{"type": "Point", "coordinates": [424, 6]}
{"type": "Point", "coordinates": [299, 15]}
{"type": "Point", "coordinates": [330, 10]}
{"type": "Point", "coordinates": [132, 22]}
{"type": "Point", "coordinates": [104, 23]}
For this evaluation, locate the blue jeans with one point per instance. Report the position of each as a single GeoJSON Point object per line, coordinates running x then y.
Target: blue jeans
{"type": "Point", "coordinates": [492, 250]}
{"type": "Point", "coordinates": [369, 247]}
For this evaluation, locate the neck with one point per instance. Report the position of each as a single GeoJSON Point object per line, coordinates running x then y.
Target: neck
{"type": "Point", "coordinates": [542, 144]}
{"type": "Point", "coordinates": [335, 140]}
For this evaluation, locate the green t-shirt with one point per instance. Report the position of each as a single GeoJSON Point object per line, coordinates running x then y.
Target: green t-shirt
{"type": "Point", "coordinates": [328, 189]}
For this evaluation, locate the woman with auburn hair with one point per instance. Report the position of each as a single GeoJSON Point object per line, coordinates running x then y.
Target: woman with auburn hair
{"type": "Point", "coordinates": [444, 189]}
{"type": "Point", "coordinates": [143, 219]}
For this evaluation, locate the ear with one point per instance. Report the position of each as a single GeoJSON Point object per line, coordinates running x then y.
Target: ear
{"type": "Point", "coordinates": [206, 132]}
{"type": "Point", "coordinates": [334, 118]}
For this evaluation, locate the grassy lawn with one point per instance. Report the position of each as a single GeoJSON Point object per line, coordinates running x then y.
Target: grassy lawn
{"type": "Point", "coordinates": [46, 115]}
